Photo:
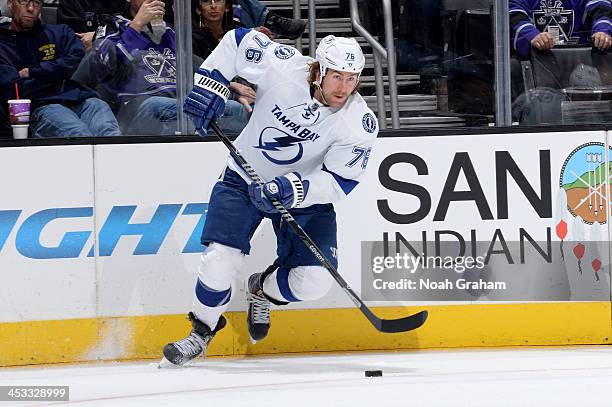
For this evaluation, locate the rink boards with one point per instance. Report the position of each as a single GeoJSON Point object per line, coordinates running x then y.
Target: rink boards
{"type": "Point", "coordinates": [99, 246]}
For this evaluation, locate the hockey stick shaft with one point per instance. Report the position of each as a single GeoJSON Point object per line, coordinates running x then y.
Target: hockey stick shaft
{"type": "Point", "coordinates": [398, 325]}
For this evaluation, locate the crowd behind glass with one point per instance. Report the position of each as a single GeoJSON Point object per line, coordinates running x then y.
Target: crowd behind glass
{"type": "Point", "coordinates": [109, 68]}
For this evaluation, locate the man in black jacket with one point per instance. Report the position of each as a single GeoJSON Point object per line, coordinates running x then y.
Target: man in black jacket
{"type": "Point", "coordinates": [39, 60]}
{"type": "Point", "coordinates": [85, 17]}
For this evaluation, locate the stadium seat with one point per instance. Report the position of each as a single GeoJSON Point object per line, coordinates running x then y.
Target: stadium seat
{"type": "Point", "coordinates": [568, 84]}
{"type": "Point", "coordinates": [49, 14]}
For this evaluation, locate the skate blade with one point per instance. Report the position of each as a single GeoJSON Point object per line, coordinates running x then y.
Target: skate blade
{"type": "Point", "coordinates": [166, 364]}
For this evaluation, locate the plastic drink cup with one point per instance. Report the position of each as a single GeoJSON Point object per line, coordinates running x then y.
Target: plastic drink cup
{"type": "Point", "coordinates": [20, 131]}
{"type": "Point", "coordinates": [158, 25]}
{"type": "Point", "coordinates": [19, 111]}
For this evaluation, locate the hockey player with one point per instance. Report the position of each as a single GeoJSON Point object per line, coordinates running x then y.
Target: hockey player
{"type": "Point", "coordinates": [540, 23]}
{"type": "Point", "coordinates": [310, 137]}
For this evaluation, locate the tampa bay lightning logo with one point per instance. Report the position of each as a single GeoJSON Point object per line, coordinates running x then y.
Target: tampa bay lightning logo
{"type": "Point", "coordinates": [284, 52]}
{"type": "Point", "coordinates": [310, 112]}
{"type": "Point", "coordinates": [280, 147]}
{"type": "Point", "coordinates": [369, 123]}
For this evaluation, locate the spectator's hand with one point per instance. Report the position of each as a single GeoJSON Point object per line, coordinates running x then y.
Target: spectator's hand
{"type": "Point", "coordinates": [543, 41]}
{"type": "Point", "coordinates": [245, 95]}
{"type": "Point", "coordinates": [602, 41]}
{"type": "Point", "coordinates": [265, 30]}
{"type": "Point", "coordinates": [206, 101]}
{"type": "Point", "coordinates": [149, 10]}
{"type": "Point", "coordinates": [86, 39]}
{"type": "Point", "coordinates": [24, 73]}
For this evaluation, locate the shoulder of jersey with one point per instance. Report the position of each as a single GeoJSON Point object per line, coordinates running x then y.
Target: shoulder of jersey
{"type": "Point", "coordinates": [360, 118]}
{"type": "Point", "coordinates": [280, 52]}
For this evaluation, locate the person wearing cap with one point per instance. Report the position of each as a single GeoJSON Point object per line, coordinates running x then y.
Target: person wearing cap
{"type": "Point", "coordinates": [310, 137]}
{"type": "Point", "coordinates": [40, 59]}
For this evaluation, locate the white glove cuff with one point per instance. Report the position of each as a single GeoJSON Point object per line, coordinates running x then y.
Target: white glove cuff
{"type": "Point", "coordinates": [298, 189]}
{"type": "Point", "coordinates": [211, 85]}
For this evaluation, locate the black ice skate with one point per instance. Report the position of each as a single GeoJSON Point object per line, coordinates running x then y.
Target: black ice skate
{"type": "Point", "coordinates": [186, 350]}
{"type": "Point", "coordinates": [258, 316]}
{"type": "Point", "coordinates": [286, 27]}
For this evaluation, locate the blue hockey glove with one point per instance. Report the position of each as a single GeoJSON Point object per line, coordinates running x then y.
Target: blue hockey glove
{"type": "Point", "coordinates": [289, 190]}
{"type": "Point", "coordinates": [206, 101]}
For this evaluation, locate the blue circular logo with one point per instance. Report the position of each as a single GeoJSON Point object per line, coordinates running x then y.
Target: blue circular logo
{"type": "Point", "coordinates": [369, 123]}
{"type": "Point", "coordinates": [284, 52]}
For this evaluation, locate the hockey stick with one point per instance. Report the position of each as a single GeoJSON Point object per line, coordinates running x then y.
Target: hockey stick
{"type": "Point", "coordinates": [383, 325]}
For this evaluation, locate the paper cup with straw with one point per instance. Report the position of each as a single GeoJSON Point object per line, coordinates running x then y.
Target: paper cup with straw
{"type": "Point", "coordinates": [19, 113]}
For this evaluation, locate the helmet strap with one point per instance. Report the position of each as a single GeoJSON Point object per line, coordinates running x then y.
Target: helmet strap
{"type": "Point", "coordinates": [318, 84]}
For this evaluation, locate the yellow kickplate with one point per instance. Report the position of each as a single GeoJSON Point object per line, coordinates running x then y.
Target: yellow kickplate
{"type": "Point", "coordinates": [319, 330]}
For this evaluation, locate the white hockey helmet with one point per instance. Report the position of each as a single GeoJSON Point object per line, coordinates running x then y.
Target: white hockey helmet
{"type": "Point", "coordinates": [340, 54]}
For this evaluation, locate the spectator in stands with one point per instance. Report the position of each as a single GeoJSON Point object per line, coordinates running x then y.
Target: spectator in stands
{"type": "Point", "coordinates": [543, 23]}
{"type": "Point", "coordinates": [85, 17]}
{"type": "Point", "coordinates": [252, 13]}
{"type": "Point", "coordinates": [40, 59]}
{"type": "Point", "coordinates": [211, 20]}
{"type": "Point", "coordinates": [89, 18]}
{"type": "Point", "coordinates": [136, 71]}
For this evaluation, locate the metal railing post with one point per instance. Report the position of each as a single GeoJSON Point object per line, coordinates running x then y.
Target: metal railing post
{"type": "Point", "coordinates": [184, 59]}
{"type": "Point", "coordinates": [380, 90]}
{"type": "Point", "coordinates": [379, 52]}
{"type": "Point", "coordinates": [391, 63]}
{"type": "Point", "coordinates": [297, 14]}
{"type": "Point", "coordinates": [503, 110]}
{"type": "Point", "coordinates": [312, 27]}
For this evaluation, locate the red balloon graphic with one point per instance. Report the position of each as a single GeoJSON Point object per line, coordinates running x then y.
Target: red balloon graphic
{"type": "Point", "coordinates": [596, 265]}
{"type": "Point", "coordinates": [579, 253]}
{"type": "Point", "coordinates": [561, 229]}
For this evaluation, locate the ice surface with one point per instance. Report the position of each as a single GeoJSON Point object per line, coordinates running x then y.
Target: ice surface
{"type": "Point", "coordinates": [516, 377]}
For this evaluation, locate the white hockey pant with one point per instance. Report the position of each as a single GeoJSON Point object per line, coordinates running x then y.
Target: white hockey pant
{"type": "Point", "coordinates": [220, 267]}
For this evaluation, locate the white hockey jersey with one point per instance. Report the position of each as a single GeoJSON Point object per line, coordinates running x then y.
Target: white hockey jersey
{"type": "Point", "coordinates": [289, 130]}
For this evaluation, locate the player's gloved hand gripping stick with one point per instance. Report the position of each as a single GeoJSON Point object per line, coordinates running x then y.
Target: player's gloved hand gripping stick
{"type": "Point", "coordinates": [383, 325]}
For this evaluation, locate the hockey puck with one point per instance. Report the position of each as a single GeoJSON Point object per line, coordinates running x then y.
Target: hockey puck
{"type": "Point", "coordinates": [373, 373]}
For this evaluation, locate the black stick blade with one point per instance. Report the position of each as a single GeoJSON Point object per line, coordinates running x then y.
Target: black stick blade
{"type": "Point", "coordinates": [403, 324]}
